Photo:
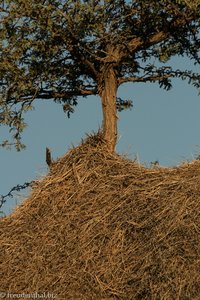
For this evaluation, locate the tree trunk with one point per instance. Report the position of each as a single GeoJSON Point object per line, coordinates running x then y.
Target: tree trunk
{"type": "Point", "coordinates": [108, 93]}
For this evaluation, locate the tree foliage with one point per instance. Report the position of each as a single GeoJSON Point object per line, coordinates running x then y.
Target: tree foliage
{"type": "Point", "coordinates": [60, 50]}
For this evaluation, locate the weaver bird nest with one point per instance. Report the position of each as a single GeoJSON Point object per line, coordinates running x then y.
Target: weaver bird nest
{"type": "Point", "coordinates": [100, 227]}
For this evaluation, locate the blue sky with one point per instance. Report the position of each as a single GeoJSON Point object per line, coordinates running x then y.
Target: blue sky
{"type": "Point", "coordinates": [162, 125]}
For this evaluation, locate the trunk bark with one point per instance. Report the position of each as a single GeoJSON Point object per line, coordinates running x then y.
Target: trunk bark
{"type": "Point", "coordinates": [108, 94]}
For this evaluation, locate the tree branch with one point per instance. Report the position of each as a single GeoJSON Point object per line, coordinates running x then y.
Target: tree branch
{"type": "Point", "coordinates": [90, 65]}
{"type": "Point", "coordinates": [80, 92]}
{"type": "Point", "coordinates": [138, 42]}
{"type": "Point", "coordinates": [74, 51]}
{"type": "Point", "coordinates": [143, 78]}
{"type": "Point", "coordinates": [46, 95]}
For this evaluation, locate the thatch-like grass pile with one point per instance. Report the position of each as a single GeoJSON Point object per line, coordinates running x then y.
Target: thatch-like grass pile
{"type": "Point", "coordinates": [100, 226]}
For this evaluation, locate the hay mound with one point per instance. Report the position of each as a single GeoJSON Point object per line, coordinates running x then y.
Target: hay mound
{"type": "Point", "coordinates": [100, 226]}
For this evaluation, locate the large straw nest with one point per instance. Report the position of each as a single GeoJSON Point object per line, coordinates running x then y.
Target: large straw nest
{"type": "Point", "coordinates": [100, 226]}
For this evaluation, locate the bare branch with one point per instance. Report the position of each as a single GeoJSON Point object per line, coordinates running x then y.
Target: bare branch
{"type": "Point", "coordinates": [17, 188]}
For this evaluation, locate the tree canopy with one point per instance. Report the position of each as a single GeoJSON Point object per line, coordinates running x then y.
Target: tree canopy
{"type": "Point", "coordinates": [60, 50]}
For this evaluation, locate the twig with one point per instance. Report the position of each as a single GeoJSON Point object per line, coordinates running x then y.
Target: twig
{"type": "Point", "coordinates": [17, 188]}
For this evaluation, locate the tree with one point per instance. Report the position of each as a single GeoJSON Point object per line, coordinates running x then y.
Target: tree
{"type": "Point", "coordinates": [60, 50]}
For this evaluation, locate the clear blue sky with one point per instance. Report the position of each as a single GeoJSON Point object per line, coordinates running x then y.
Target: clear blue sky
{"type": "Point", "coordinates": [162, 125]}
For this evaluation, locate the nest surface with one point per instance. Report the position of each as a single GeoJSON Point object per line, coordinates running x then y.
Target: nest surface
{"type": "Point", "coordinates": [102, 227]}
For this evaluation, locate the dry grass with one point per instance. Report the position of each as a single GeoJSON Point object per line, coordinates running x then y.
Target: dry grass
{"type": "Point", "coordinates": [102, 227]}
